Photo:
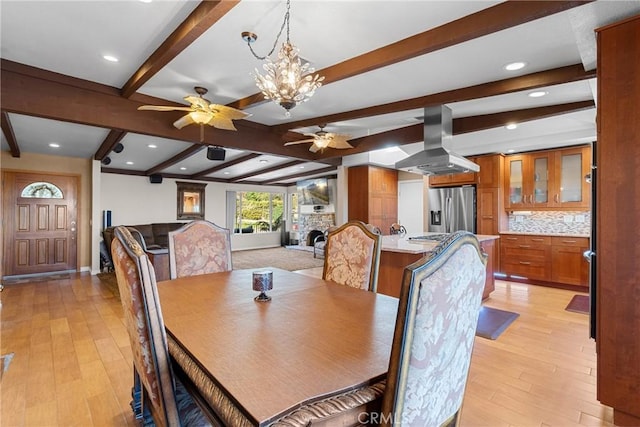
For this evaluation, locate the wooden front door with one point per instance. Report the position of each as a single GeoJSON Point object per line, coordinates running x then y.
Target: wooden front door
{"type": "Point", "coordinates": [40, 230]}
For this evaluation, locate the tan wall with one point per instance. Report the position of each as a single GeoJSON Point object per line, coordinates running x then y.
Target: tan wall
{"type": "Point", "coordinates": [62, 165]}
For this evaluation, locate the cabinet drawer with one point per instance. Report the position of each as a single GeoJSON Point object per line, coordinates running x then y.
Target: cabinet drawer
{"type": "Point", "coordinates": [526, 253]}
{"type": "Point", "coordinates": [581, 242]}
{"type": "Point", "coordinates": [520, 240]}
{"type": "Point", "coordinates": [527, 269]}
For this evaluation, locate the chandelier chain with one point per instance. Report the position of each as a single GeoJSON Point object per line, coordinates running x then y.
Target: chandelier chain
{"type": "Point", "coordinates": [275, 42]}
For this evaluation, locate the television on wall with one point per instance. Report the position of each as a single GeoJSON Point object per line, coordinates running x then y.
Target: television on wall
{"type": "Point", "coordinates": [313, 191]}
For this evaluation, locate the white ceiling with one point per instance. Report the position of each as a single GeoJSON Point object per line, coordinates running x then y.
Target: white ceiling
{"type": "Point", "coordinates": [70, 37]}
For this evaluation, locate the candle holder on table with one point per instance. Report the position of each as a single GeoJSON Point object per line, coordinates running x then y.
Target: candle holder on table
{"type": "Point", "coordinates": [262, 282]}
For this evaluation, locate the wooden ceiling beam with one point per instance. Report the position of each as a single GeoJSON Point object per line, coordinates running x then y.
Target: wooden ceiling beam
{"type": "Point", "coordinates": [570, 73]}
{"type": "Point", "coordinates": [487, 21]}
{"type": "Point", "coordinates": [184, 154]}
{"type": "Point", "coordinates": [114, 137]}
{"type": "Point", "coordinates": [40, 93]}
{"type": "Point", "coordinates": [9, 135]}
{"type": "Point", "coordinates": [205, 15]}
{"type": "Point", "coordinates": [225, 165]}
{"type": "Point", "coordinates": [267, 170]}
{"type": "Point", "coordinates": [415, 133]}
{"type": "Point", "coordinates": [299, 175]}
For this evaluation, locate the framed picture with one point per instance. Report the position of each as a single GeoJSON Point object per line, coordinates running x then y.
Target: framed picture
{"type": "Point", "coordinates": [190, 200]}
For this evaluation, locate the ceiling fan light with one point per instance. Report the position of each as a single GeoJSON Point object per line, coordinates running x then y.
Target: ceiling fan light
{"type": "Point", "coordinates": [201, 117]}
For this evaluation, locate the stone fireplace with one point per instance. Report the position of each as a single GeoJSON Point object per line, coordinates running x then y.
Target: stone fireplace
{"type": "Point", "coordinates": [314, 221]}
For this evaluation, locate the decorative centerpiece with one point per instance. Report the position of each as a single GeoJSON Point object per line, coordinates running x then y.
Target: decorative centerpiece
{"type": "Point", "coordinates": [262, 282]}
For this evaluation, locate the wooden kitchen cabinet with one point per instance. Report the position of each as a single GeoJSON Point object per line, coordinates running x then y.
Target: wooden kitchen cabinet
{"type": "Point", "coordinates": [568, 263]}
{"type": "Point", "coordinates": [527, 179]}
{"type": "Point", "coordinates": [569, 187]}
{"type": "Point", "coordinates": [373, 196]}
{"type": "Point", "coordinates": [526, 256]}
{"type": "Point", "coordinates": [489, 211]}
{"type": "Point", "coordinates": [491, 171]}
{"type": "Point", "coordinates": [553, 259]}
{"type": "Point", "coordinates": [452, 179]}
{"type": "Point", "coordinates": [552, 179]}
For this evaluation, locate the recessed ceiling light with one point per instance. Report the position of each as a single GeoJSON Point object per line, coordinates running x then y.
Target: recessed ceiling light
{"type": "Point", "coordinates": [146, 1]}
{"type": "Point", "coordinates": [152, 146]}
{"type": "Point", "coordinates": [110, 58]}
{"type": "Point", "coordinates": [54, 145]}
{"type": "Point", "coordinates": [183, 168]}
{"type": "Point", "coordinates": [510, 150]}
{"type": "Point", "coordinates": [302, 167]}
{"type": "Point", "coordinates": [538, 94]}
{"type": "Point", "coordinates": [225, 173]}
{"type": "Point", "coordinates": [129, 163]}
{"type": "Point", "coordinates": [511, 126]}
{"type": "Point", "coordinates": [514, 66]}
{"type": "Point", "coordinates": [264, 161]}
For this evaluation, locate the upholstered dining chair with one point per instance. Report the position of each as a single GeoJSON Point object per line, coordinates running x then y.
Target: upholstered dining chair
{"type": "Point", "coordinates": [199, 247]}
{"type": "Point", "coordinates": [158, 396]}
{"type": "Point", "coordinates": [397, 229]}
{"type": "Point", "coordinates": [352, 256]}
{"type": "Point", "coordinates": [436, 322]}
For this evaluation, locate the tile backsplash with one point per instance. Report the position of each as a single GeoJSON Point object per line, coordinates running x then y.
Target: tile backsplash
{"type": "Point", "coordinates": [552, 222]}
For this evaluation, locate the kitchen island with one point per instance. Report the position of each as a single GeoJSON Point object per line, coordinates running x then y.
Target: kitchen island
{"type": "Point", "coordinates": [398, 251]}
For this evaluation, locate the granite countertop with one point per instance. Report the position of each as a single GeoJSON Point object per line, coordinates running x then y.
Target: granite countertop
{"type": "Point", "coordinates": [401, 243]}
{"type": "Point", "coordinates": [546, 234]}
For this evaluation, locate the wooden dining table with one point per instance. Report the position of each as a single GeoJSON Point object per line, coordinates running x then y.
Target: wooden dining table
{"type": "Point", "coordinates": [317, 352]}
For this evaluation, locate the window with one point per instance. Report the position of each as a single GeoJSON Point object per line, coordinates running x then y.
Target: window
{"type": "Point", "coordinates": [256, 212]}
{"type": "Point", "coordinates": [294, 211]}
{"type": "Point", "coordinates": [42, 190]}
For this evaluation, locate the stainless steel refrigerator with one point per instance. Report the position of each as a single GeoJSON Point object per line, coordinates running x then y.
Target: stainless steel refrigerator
{"type": "Point", "coordinates": [452, 209]}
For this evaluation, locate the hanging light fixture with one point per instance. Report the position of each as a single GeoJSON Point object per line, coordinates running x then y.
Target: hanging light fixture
{"type": "Point", "coordinates": [287, 81]}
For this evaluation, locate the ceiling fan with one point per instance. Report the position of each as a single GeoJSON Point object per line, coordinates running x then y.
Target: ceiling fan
{"type": "Point", "coordinates": [202, 112]}
{"type": "Point", "coordinates": [323, 139]}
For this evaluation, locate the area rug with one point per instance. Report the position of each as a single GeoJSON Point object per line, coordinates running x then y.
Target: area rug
{"type": "Point", "coordinates": [579, 304]}
{"type": "Point", "coordinates": [492, 322]}
{"type": "Point", "coordinates": [280, 257]}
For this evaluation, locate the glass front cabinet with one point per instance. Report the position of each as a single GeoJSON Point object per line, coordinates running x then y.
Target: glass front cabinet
{"type": "Point", "coordinates": [528, 178]}
{"type": "Point", "coordinates": [571, 190]}
{"type": "Point", "coordinates": [548, 179]}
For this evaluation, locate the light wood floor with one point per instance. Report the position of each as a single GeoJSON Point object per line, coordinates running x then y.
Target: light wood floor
{"type": "Point", "coordinates": [72, 360]}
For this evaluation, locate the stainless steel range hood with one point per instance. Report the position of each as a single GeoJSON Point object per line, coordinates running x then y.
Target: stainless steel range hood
{"type": "Point", "coordinates": [436, 159]}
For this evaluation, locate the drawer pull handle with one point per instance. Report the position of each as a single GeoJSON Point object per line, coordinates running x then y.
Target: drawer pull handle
{"type": "Point", "coordinates": [537, 240]}
{"type": "Point", "coordinates": [525, 262]}
{"type": "Point", "coordinates": [511, 238]}
{"type": "Point", "coordinates": [568, 241]}
{"type": "Point", "coordinates": [525, 246]}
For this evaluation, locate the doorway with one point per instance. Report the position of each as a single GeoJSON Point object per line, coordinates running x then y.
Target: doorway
{"type": "Point", "coordinates": [40, 223]}
{"type": "Point", "coordinates": [410, 210]}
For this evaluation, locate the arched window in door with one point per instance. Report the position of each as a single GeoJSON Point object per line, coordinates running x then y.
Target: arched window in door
{"type": "Point", "coordinates": [42, 190]}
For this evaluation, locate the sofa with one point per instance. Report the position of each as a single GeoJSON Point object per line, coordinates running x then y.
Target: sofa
{"type": "Point", "coordinates": [154, 239]}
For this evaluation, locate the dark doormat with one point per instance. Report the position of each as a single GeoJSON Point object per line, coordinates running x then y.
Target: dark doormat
{"type": "Point", "coordinates": [492, 322]}
{"type": "Point", "coordinates": [579, 304]}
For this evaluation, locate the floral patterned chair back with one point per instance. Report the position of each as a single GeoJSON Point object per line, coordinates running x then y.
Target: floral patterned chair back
{"type": "Point", "coordinates": [352, 256]}
{"type": "Point", "coordinates": [155, 393]}
{"type": "Point", "coordinates": [435, 328]}
{"type": "Point", "coordinates": [199, 247]}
